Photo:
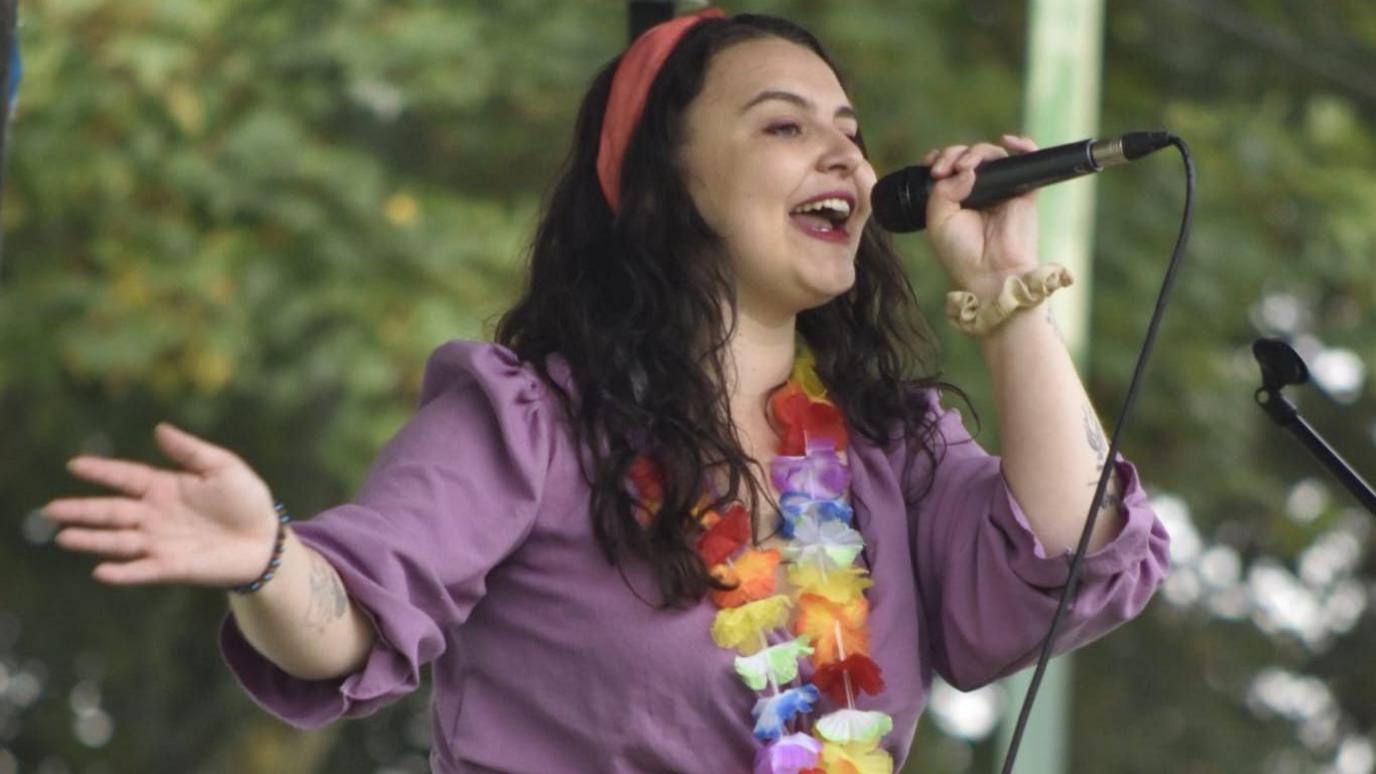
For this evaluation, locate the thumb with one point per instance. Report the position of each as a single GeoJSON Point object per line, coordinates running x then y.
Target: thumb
{"type": "Point", "coordinates": [190, 452]}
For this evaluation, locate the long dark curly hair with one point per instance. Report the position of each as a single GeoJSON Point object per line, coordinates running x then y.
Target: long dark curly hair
{"type": "Point", "coordinates": [634, 302]}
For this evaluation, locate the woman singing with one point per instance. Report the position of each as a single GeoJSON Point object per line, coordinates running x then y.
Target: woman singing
{"type": "Point", "coordinates": [700, 509]}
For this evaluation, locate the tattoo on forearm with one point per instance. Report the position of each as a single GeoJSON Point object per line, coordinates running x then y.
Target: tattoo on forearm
{"type": "Point", "coordinates": [1113, 497]}
{"type": "Point", "coordinates": [328, 601]}
{"type": "Point", "coordinates": [1051, 320]}
{"type": "Point", "coordinates": [1094, 434]}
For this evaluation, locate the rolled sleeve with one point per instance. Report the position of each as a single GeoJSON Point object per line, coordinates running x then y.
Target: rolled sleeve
{"type": "Point", "coordinates": [450, 497]}
{"type": "Point", "coordinates": [989, 587]}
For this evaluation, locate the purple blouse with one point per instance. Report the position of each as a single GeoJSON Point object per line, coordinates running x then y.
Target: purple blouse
{"type": "Point", "coordinates": [470, 545]}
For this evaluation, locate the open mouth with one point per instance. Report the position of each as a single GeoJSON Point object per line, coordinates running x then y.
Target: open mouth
{"type": "Point", "coordinates": [823, 215]}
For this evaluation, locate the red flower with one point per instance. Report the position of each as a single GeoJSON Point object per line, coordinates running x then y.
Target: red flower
{"type": "Point", "coordinates": [802, 419]}
{"type": "Point", "coordinates": [648, 479]}
{"type": "Point", "coordinates": [726, 536]}
{"type": "Point", "coordinates": [864, 677]}
{"type": "Point", "coordinates": [789, 404]}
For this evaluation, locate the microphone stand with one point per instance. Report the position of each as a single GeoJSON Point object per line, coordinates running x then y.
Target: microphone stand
{"type": "Point", "coordinates": [1281, 365]}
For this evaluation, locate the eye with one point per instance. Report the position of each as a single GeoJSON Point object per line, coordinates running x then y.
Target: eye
{"type": "Point", "coordinates": [793, 129]}
{"type": "Point", "coordinates": [785, 127]}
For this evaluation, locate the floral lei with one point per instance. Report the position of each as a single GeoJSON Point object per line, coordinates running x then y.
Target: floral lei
{"type": "Point", "coordinates": [826, 590]}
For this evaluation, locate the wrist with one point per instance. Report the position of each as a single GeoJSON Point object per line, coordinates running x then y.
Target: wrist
{"type": "Point", "coordinates": [987, 286]}
{"type": "Point", "coordinates": [1020, 330]}
{"type": "Point", "coordinates": [978, 315]}
{"type": "Point", "coordinates": [274, 559]}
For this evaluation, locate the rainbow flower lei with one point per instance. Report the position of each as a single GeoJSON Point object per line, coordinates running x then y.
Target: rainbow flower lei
{"type": "Point", "coordinates": [826, 590]}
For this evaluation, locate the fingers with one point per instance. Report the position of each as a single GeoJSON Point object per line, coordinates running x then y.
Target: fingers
{"type": "Point", "coordinates": [953, 169]}
{"type": "Point", "coordinates": [131, 478]}
{"type": "Point", "coordinates": [135, 573]}
{"type": "Point", "coordinates": [103, 512]}
{"type": "Point", "coordinates": [1017, 143]}
{"type": "Point", "coordinates": [967, 159]}
{"type": "Point", "coordinates": [191, 452]}
{"type": "Point", "coordinates": [942, 158]}
{"type": "Point", "coordinates": [953, 159]}
{"type": "Point", "coordinates": [116, 544]}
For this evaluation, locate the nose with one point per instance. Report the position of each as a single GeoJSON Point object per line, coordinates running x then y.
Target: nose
{"type": "Point", "coordinates": [844, 158]}
{"type": "Point", "coordinates": [842, 153]}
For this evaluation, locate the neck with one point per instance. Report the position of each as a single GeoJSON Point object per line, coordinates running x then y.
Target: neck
{"type": "Point", "coordinates": [760, 358]}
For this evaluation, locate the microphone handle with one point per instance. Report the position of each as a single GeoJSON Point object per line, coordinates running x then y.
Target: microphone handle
{"type": "Point", "coordinates": [1015, 175]}
{"type": "Point", "coordinates": [900, 198]}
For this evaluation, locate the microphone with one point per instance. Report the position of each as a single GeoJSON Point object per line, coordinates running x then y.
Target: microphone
{"type": "Point", "coordinates": [900, 198]}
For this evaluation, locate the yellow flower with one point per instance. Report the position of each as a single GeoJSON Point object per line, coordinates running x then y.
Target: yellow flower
{"type": "Point", "coordinates": [858, 758]}
{"type": "Point", "coordinates": [743, 627]}
{"type": "Point", "coordinates": [805, 373]}
{"type": "Point", "coordinates": [841, 584]}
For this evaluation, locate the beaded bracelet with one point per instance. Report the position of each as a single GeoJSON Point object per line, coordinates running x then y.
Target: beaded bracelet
{"type": "Point", "coordinates": [276, 560]}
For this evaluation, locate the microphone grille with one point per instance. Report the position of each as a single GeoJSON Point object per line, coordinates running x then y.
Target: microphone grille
{"type": "Point", "coordinates": [900, 200]}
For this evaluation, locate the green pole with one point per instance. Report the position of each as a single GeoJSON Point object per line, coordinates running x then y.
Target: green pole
{"type": "Point", "coordinates": [1064, 63]}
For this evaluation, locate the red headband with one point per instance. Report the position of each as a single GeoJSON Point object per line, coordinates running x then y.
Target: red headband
{"type": "Point", "coordinates": [630, 86]}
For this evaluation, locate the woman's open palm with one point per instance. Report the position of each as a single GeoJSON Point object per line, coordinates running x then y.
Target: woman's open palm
{"type": "Point", "coordinates": [211, 523]}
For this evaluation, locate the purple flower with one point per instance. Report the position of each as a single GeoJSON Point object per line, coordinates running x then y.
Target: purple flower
{"type": "Point", "coordinates": [821, 475]}
{"type": "Point", "coordinates": [790, 755]}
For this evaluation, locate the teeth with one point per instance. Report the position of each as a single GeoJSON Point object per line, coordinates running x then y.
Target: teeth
{"type": "Point", "coordinates": [841, 206]}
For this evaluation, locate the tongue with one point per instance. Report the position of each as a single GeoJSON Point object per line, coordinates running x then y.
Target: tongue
{"type": "Point", "coordinates": [808, 220]}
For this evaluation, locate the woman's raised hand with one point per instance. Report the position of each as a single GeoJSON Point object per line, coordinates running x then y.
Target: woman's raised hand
{"type": "Point", "coordinates": [210, 524]}
{"type": "Point", "coordinates": [979, 248]}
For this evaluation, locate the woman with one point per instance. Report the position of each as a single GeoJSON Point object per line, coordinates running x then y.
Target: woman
{"type": "Point", "coordinates": [700, 509]}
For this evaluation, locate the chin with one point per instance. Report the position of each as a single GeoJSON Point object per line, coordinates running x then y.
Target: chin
{"type": "Point", "coordinates": [823, 293]}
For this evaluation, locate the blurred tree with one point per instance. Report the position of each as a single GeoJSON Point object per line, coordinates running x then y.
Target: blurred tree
{"type": "Point", "coordinates": [252, 217]}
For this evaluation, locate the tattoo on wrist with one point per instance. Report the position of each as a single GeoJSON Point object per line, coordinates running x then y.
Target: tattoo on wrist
{"type": "Point", "coordinates": [328, 600]}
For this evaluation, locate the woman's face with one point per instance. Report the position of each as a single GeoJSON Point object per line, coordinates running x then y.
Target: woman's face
{"type": "Point", "coordinates": [770, 132]}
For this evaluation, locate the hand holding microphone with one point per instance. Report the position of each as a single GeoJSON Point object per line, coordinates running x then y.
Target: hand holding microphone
{"type": "Point", "coordinates": [980, 229]}
{"type": "Point", "coordinates": [900, 198]}
{"type": "Point", "coordinates": [978, 249]}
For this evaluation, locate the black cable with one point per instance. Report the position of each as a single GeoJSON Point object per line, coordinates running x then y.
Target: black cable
{"type": "Point", "coordinates": [1068, 592]}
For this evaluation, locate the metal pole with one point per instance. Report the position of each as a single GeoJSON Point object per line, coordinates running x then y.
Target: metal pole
{"type": "Point", "coordinates": [1064, 63]}
{"type": "Point", "coordinates": [9, 10]}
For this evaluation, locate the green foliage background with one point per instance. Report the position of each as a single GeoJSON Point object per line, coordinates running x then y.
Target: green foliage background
{"type": "Point", "coordinates": [257, 219]}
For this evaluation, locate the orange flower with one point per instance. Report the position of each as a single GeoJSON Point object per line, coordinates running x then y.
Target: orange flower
{"type": "Point", "coordinates": [822, 620]}
{"type": "Point", "coordinates": [752, 574]}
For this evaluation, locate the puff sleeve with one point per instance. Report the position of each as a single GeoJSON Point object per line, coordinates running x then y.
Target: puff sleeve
{"type": "Point", "coordinates": [450, 496]}
{"type": "Point", "coordinates": [987, 585]}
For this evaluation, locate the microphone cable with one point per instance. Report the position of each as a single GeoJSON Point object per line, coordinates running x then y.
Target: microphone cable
{"type": "Point", "coordinates": [1068, 592]}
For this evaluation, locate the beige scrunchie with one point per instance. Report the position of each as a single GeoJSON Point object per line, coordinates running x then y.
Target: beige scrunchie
{"type": "Point", "coordinates": [966, 312]}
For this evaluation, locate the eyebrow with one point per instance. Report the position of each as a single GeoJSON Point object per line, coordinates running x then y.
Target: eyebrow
{"type": "Point", "coordinates": [845, 111]}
